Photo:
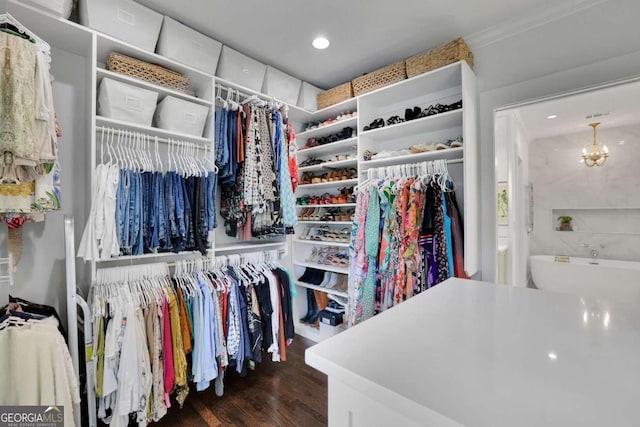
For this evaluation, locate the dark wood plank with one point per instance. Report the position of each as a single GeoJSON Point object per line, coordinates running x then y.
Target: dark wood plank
{"type": "Point", "coordinates": [285, 394]}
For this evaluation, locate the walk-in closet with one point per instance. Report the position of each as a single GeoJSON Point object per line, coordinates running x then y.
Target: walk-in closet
{"type": "Point", "coordinates": [262, 214]}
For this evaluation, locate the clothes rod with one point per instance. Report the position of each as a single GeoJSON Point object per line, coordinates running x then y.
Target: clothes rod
{"type": "Point", "coordinates": [262, 96]}
{"type": "Point", "coordinates": [449, 162]}
{"type": "Point", "coordinates": [151, 138]}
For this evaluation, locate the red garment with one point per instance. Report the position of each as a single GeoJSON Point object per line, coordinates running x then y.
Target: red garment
{"type": "Point", "coordinates": [293, 161]}
{"type": "Point", "coordinates": [169, 373]}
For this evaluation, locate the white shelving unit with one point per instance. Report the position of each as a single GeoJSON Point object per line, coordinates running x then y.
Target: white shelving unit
{"type": "Point", "coordinates": [329, 184]}
{"type": "Point", "coordinates": [338, 147]}
{"type": "Point", "coordinates": [161, 90]}
{"type": "Point", "coordinates": [326, 267]}
{"type": "Point", "coordinates": [202, 91]}
{"type": "Point", "coordinates": [445, 85]}
{"type": "Point", "coordinates": [321, 243]}
{"type": "Point", "coordinates": [340, 164]}
{"type": "Point", "coordinates": [320, 288]}
{"type": "Point", "coordinates": [301, 248]}
{"type": "Point", "coordinates": [334, 127]}
{"type": "Point", "coordinates": [149, 130]}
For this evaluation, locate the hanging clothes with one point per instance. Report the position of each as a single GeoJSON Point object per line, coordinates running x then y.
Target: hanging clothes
{"type": "Point", "coordinates": [154, 332]}
{"type": "Point", "coordinates": [135, 212]}
{"type": "Point", "coordinates": [254, 151]}
{"type": "Point", "coordinates": [407, 236]}
{"type": "Point", "coordinates": [29, 168]}
{"type": "Point", "coordinates": [29, 179]}
{"type": "Point", "coordinates": [36, 367]}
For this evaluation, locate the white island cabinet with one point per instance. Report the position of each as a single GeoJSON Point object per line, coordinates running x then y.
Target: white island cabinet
{"type": "Point", "coordinates": [468, 353]}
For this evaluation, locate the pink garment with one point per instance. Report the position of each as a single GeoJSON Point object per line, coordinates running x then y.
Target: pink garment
{"type": "Point", "coordinates": [169, 373]}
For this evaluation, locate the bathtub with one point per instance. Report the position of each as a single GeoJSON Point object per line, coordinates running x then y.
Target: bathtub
{"type": "Point", "coordinates": [610, 280]}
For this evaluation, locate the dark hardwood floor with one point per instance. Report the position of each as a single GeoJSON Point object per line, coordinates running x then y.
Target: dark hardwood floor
{"type": "Point", "coordinates": [285, 394]}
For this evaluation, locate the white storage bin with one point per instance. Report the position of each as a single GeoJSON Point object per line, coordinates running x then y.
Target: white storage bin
{"type": "Point", "coordinates": [182, 116]}
{"type": "Point", "coordinates": [123, 19]}
{"type": "Point", "coordinates": [281, 85]}
{"type": "Point", "coordinates": [241, 69]}
{"type": "Point", "coordinates": [308, 97]}
{"type": "Point", "coordinates": [125, 102]}
{"type": "Point", "coordinates": [61, 8]}
{"type": "Point", "coordinates": [181, 43]}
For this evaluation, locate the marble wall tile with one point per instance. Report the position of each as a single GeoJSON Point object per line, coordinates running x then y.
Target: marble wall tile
{"type": "Point", "coordinates": [604, 201]}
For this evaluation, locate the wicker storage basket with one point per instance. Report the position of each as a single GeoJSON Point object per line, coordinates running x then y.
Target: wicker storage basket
{"type": "Point", "coordinates": [334, 95]}
{"type": "Point", "coordinates": [379, 78]}
{"type": "Point", "coordinates": [440, 56]}
{"type": "Point", "coordinates": [151, 73]}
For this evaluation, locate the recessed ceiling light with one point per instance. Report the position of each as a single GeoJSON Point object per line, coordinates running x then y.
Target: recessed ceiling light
{"type": "Point", "coordinates": [320, 43]}
{"type": "Point", "coordinates": [552, 356]}
{"type": "Point", "coordinates": [621, 142]}
{"type": "Point", "coordinates": [552, 116]}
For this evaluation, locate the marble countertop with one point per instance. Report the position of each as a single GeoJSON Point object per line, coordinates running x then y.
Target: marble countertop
{"type": "Point", "coordinates": [477, 354]}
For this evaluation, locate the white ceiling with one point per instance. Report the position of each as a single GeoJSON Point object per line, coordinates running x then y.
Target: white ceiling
{"type": "Point", "coordinates": [620, 101]}
{"type": "Point", "coordinates": [364, 34]}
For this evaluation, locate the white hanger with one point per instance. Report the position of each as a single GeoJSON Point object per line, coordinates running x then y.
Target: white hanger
{"type": "Point", "coordinates": [116, 148]}
{"type": "Point", "coordinates": [110, 147]}
{"type": "Point", "coordinates": [7, 18]}
{"type": "Point", "coordinates": [133, 151]}
{"type": "Point", "coordinates": [219, 97]}
{"type": "Point", "coordinates": [191, 150]}
{"type": "Point", "coordinates": [156, 144]}
{"type": "Point", "coordinates": [169, 155]}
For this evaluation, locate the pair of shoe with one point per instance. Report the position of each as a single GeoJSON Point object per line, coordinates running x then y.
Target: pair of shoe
{"type": "Point", "coordinates": [311, 162]}
{"type": "Point", "coordinates": [312, 308]}
{"type": "Point", "coordinates": [316, 302]}
{"type": "Point", "coordinates": [389, 154]}
{"type": "Point", "coordinates": [412, 113]}
{"type": "Point", "coordinates": [449, 143]}
{"type": "Point", "coordinates": [377, 123]}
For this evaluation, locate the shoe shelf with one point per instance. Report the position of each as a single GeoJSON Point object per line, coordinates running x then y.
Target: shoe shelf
{"type": "Point", "coordinates": [433, 85]}
{"type": "Point", "coordinates": [337, 205]}
{"type": "Point", "coordinates": [321, 289]}
{"type": "Point", "coordinates": [340, 164]}
{"type": "Point", "coordinates": [447, 154]}
{"type": "Point", "coordinates": [325, 267]}
{"type": "Point", "coordinates": [302, 249]}
{"type": "Point", "coordinates": [304, 222]}
{"type": "Point", "coordinates": [335, 110]}
{"type": "Point", "coordinates": [328, 184]}
{"type": "Point", "coordinates": [437, 122]}
{"type": "Point", "coordinates": [321, 243]}
{"type": "Point", "coordinates": [330, 148]}
{"type": "Point", "coordinates": [321, 131]}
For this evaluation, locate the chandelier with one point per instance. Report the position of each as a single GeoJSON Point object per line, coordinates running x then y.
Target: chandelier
{"type": "Point", "coordinates": [595, 157]}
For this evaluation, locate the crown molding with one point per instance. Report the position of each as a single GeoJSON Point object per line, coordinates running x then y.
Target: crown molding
{"type": "Point", "coordinates": [518, 26]}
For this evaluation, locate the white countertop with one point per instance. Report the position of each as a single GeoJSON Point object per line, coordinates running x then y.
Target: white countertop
{"type": "Point", "coordinates": [483, 355]}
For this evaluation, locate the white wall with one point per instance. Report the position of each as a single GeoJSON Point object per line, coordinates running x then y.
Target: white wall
{"type": "Point", "coordinates": [603, 201]}
{"type": "Point", "coordinates": [592, 46]}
